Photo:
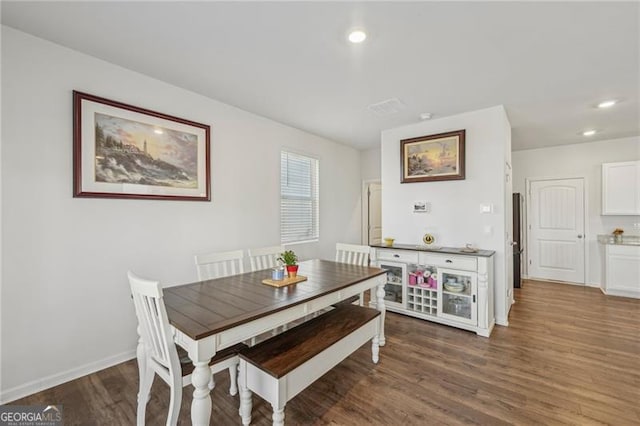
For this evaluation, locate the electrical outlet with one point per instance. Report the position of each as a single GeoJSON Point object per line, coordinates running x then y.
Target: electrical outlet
{"type": "Point", "coordinates": [636, 226]}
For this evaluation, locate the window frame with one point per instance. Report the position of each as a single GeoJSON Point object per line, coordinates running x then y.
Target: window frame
{"type": "Point", "coordinates": [314, 198]}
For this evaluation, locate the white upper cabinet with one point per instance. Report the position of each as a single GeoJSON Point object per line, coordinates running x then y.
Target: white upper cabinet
{"type": "Point", "coordinates": [621, 188]}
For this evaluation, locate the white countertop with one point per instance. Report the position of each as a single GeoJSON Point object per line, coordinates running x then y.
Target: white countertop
{"type": "Point", "coordinates": [626, 240]}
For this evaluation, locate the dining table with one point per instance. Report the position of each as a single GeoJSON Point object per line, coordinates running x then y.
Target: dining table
{"type": "Point", "coordinates": [211, 315]}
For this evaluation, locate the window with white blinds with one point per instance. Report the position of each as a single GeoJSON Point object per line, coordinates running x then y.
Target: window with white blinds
{"type": "Point", "coordinates": [299, 210]}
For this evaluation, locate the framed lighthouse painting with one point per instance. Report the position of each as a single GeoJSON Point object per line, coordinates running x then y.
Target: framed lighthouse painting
{"type": "Point", "coordinates": [123, 151]}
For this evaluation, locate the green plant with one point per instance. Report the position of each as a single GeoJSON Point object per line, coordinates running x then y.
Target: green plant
{"type": "Point", "coordinates": [289, 258]}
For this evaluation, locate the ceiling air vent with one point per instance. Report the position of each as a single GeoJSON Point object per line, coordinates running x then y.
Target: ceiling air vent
{"type": "Point", "coordinates": [389, 106]}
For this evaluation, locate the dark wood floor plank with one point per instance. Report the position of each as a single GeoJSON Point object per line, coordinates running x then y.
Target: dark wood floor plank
{"type": "Point", "coordinates": [571, 355]}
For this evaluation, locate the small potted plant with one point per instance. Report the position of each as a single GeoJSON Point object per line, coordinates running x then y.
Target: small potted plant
{"type": "Point", "coordinates": [290, 259]}
{"type": "Point", "coordinates": [617, 235]}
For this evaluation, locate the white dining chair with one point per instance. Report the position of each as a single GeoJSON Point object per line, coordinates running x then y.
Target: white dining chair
{"type": "Point", "coordinates": [220, 264]}
{"type": "Point", "coordinates": [265, 257]}
{"type": "Point", "coordinates": [354, 255]}
{"type": "Point", "coordinates": [158, 354]}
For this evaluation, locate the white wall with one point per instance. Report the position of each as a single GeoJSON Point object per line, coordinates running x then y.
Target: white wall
{"type": "Point", "coordinates": [370, 164]}
{"type": "Point", "coordinates": [581, 160]}
{"type": "Point", "coordinates": [66, 308]}
{"type": "Point", "coordinates": [1, 257]}
{"type": "Point", "coordinates": [455, 218]}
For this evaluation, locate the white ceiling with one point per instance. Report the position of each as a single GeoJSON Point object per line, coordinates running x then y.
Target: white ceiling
{"type": "Point", "coordinates": [547, 63]}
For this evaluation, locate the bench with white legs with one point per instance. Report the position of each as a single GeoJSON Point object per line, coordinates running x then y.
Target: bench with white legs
{"type": "Point", "coordinates": [280, 368]}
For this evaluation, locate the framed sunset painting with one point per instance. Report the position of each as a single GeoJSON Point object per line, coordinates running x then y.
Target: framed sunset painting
{"type": "Point", "coordinates": [122, 151]}
{"type": "Point", "coordinates": [433, 158]}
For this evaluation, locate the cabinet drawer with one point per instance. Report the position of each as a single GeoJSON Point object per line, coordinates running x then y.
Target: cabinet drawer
{"type": "Point", "coordinates": [624, 250]}
{"type": "Point", "coordinates": [465, 263]}
{"type": "Point", "coordinates": [397, 255]}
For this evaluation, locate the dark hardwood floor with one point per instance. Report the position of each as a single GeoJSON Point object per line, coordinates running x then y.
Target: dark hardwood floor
{"type": "Point", "coordinates": [570, 356]}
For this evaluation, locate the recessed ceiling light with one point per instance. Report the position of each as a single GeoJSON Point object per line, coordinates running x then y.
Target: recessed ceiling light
{"type": "Point", "coordinates": [158, 131]}
{"type": "Point", "coordinates": [425, 116]}
{"type": "Point", "coordinates": [588, 133]}
{"type": "Point", "coordinates": [357, 36]}
{"type": "Point", "coordinates": [607, 104]}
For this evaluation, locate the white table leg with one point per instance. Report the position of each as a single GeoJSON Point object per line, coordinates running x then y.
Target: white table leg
{"type": "Point", "coordinates": [201, 404]}
{"type": "Point", "coordinates": [375, 349]}
{"type": "Point", "coordinates": [381, 307]}
{"type": "Point", "coordinates": [278, 416]}
{"type": "Point", "coordinates": [245, 396]}
{"type": "Point", "coordinates": [233, 378]}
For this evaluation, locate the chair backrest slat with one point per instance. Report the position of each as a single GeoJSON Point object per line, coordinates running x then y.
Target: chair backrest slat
{"type": "Point", "coordinates": [352, 254]}
{"type": "Point", "coordinates": [266, 257]}
{"type": "Point", "coordinates": [153, 321]}
{"type": "Point", "coordinates": [218, 265]}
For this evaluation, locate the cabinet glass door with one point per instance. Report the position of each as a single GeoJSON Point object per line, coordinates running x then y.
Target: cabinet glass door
{"type": "Point", "coordinates": [458, 294]}
{"type": "Point", "coordinates": [394, 289]}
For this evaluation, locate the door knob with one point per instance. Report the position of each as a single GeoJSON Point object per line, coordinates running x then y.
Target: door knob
{"type": "Point", "coordinates": [579, 235]}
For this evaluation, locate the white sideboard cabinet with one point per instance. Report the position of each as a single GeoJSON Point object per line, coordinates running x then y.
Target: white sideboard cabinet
{"type": "Point", "coordinates": [442, 285]}
{"type": "Point", "coordinates": [621, 188]}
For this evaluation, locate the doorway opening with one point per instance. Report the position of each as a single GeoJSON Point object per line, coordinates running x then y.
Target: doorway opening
{"type": "Point", "coordinates": [371, 212]}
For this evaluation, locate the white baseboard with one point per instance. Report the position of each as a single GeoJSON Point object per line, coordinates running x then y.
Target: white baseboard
{"type": "Point", "coordinates": [622, 293]}
{"type": "Point", "coordinates": [586, 284]}
{"type": "Point", "coordinates": [60, 378]}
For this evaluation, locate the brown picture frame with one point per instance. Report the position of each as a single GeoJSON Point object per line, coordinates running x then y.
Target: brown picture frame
{"type": "Point", "coordinates": [433, 158]}
{"type": "Point", "coordinates": [124, 151]}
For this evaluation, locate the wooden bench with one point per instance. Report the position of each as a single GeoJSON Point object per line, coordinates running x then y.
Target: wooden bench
{"type": "Point", "coordinates": [283, 366]}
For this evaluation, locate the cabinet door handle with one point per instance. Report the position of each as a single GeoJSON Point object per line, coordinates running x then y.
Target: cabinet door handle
{"type": "Point", "coordinates": [449, 261]}
{"type": "Point", "coordinates": [474, 298]}
{"type": "Point", "coordinates": [396, 255]}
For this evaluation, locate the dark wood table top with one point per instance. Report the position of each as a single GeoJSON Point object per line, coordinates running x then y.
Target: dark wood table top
{"type": "Point", "coordinates": [208, 307]}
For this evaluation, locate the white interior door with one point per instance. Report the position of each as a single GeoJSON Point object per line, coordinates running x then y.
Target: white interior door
{"type": "Point", "coordinates": [374, 213]}
{"type": "Point", "coordinates": [556, 226]}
